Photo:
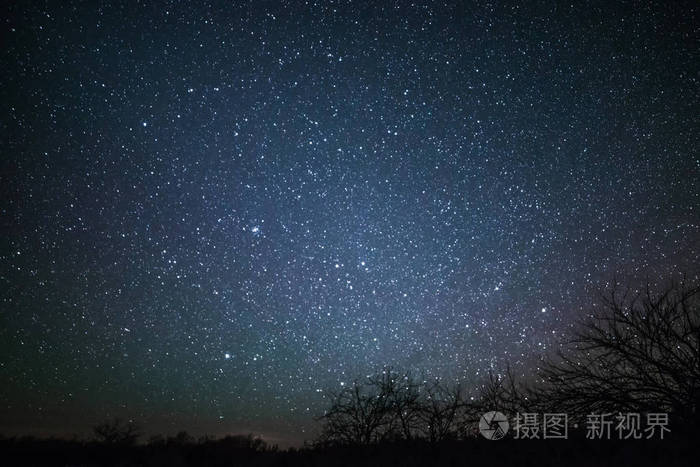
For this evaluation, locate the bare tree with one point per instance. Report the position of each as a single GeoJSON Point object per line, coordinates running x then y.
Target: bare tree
{"type": "Point", "coordinates": [392, 406]}
{"type": "Point", "coordinates": [506, 394]}
{"type": "Point", "coordinates": [403, 397]}
{"type": "Point", "coordinates": [117, 432]}
{"type": "Point", "coordinates": [443, 411]}
{"type": "Point", "coordinates": [639, 352]}
{"type": "Point", "coordinates": [359, 414]}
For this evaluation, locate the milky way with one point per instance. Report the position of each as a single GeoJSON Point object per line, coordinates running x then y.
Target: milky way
{"type": "Point", "coordinates": [213, 214]}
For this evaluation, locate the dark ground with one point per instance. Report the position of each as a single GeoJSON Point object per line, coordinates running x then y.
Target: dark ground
{"type": "Point", "coordinates": [231, 452]}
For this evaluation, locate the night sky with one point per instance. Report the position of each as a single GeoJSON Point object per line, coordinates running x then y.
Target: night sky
{"type": "Point", "coordinates": [212, 214]}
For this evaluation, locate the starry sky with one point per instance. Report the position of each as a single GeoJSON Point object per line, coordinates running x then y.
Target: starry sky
{"type": "Point", "coordinates": [212, 214]}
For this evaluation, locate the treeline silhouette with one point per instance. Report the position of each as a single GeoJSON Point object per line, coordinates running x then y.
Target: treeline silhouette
{"type": "Point", "coordinates": [118, 446]}
{"type": "Point", "coordinates": [636, 351]}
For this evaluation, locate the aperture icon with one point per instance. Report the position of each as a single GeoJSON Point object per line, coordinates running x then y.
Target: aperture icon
{"type": "Point", "coordinates": [493, 425]}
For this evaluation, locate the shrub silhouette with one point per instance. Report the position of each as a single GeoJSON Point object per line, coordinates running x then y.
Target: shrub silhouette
{"type": "Point", "coordinates": [117, 432]}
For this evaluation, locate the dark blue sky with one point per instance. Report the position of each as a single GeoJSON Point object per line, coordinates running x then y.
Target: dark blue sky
{"type": "Point", "coordinates": [214, 213]}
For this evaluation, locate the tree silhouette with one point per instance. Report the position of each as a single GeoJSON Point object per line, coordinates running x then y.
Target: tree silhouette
{"type": "Point", "coordinates": [639, 352]}
{"type": "Point", "coordinates": [117, 432]}
{"type": "Point", "coordinates": [359, 414]}
{"type": "Point", "coordinates": [391, 406]}
{"type": "Point", "coordinates": [444, 411]}
{"type": "Point", "coordinates": [402, 392]}
{"type": "Point", "coordinates": [505, 394]}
